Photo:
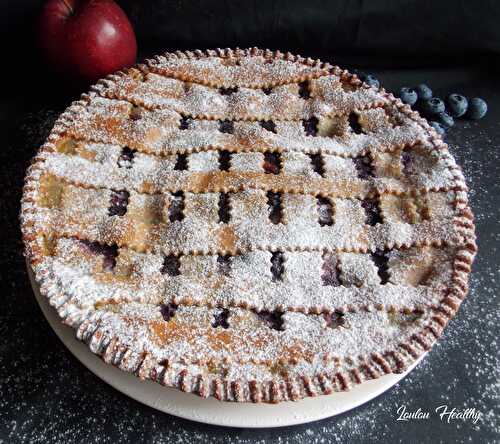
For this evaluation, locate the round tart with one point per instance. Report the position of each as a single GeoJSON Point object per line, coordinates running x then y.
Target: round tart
{"type": "Point", "coordinates": [249, 225]}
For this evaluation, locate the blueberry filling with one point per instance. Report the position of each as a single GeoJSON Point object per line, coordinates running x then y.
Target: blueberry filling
{"type": "Point", "coordinates": [372, 211]}
{"type": "Point", "coordinates": [224, 264]}
{"type": "Point", "coordinates": [272, 163]}
{"type": "Point", "coordinates": [364, 167]}
{"type": "Point", "coordinates": [310, 126]}
{"type": "Point", "coordinates": [118, 203]}
{"type": "Point", "coordinates": [304, 92]}
{"type": "Point", "coordinates": [317, 163]}
{"type": "Point", "coordinates": [181, 164]}
{"type": "Point", "coordinates": [176, 208]}
{"type": "Point", "coordinates": [380, 259]}
{"type": "Point", "coordinates": [220, 319]}
{"type": "Point", "coordinates": [110, 253]}
{"type": "Point", "coordinates": [126, 157]}
{"type": "Point", "coordinates": [273, 319]}
{"type": "Point", "coordinates": [168, 311]}
{"type": "Point", "coordinates": [405, 317]}
{"type": "Point", "coordinates": [354, 123]}
{"type": "Point", "coordinates": [224, 160]}
{"type": "Point", "coordinates": [268, 125]}
{"type": "Point", "coordinates": [227, 91]}
{"type": "Point", "coordinates": [325, 211]}
{"type": "Point", "coordinates": [330, 270]}
{"type": "Point", "coordinates": [185, 123]}
{"type": "Point", "coordinates": [171, 265]}
{"type": "Point", "coordinates": [277, 265]}
{"type": "Point", "coordinates": [334, 320]}
{"type": "Point", "coordinates": [275, 207]}
{"type": "Point", "coordinates": [226, 126]}
{"type": "Point", "coordinates": [224, 208]}
{"type": "Point", "coordinates": [135, 113]}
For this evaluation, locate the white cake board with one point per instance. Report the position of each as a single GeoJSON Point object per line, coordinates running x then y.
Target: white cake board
{"type": "Point", "coordinates": [211, 411]}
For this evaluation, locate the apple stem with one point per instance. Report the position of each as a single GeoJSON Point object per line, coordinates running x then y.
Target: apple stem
{"type": "Point", "coordinates": [70, 9]}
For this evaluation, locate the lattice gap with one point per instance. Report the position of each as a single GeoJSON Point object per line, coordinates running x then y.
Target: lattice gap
{"type": "Point", "coordinates": [335, 319]}
{"type": "Point", "coordinates": [226, 126]}
{"type": "Point", "coordinates": [330, 272]}
{"type": "Point", "coordinates": [275, 207]}
{"type": "Point", "coordinates": [109, 253]}
{"type": "Point", "coordinates": [228, 91]}
{"type": "Point", "coordinates": [168, 311]}
{"type": "Point", "coordinates": [185, 123]}
{"type": "Point", "coordinates": [364, 166]}
{"type": "Point", "coordinates": [372, 210]}
{"type": "Point", "coordinates": [176, 208]}
{"type": "Point", "coordinates": [272, 162]}
{"type": "Point", "coordinates": [224, 160]}
{"type": "Point", "coordinates": [224, 208]}
{"type": "Point", "coordinates": [126, 158]}
{"type": "Point", "coordinates": [221, 318]}
{"type": "Point", "coordinates": [318, 163]}
{"type": "Point", "coordinates": [118, 203]}
{"type": "Point", "coordinates": [406, 161]}
{"type": "Point", "coordinates": [381, 259]}
{"type": "Point", "coordinates": [224, 264]}
{"type": "Point", "coordinates": [277, 265]}
{"type": "Point", "coordinates": [311, 126]}
{"type": "Point", "coordinates": [304, 90]}
{"type": "Point", "coordinates": [354, 124]}
{"type": "Point", "coordinates": [171, 265]}
{"type": "Point", "coordinates": [181, 163]}
{"type": "Point", "coordinates": [268, 125]}
{"type": "Point", "coordinates": [273, 319]}
{"type": "Point", "coordinates": [325, 211]}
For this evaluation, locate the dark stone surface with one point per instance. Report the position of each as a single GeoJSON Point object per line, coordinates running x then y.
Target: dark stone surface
{"type": "Point", "coordinates": [48, 396]}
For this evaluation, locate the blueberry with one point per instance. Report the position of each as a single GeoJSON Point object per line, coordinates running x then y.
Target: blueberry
{"type": "Point", "coordinates": [423, 92]}
{"type": "Point", "coordinates": [432, 106]}
{"type": "Point", "coordinates": [408, 95]}
{"type": "Point", "coordinates": [372, 81]}
{"type": "Point", "coordinates": [457, 105]}
{"type": "Point", "coordinates": [477, 108]}
{"type": "Point", "coordinates": [440, 129]}
{"type": "Point", "coordinates": [444, 119]}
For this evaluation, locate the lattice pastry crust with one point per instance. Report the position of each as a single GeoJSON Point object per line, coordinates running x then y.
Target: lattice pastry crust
{"type": "Point", "coordinates": [249, 225]}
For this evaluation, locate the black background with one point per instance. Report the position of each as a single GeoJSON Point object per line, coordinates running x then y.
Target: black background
{"type": "Point", "coordinates": [384, 34]}
{"type": "Point", "coordinates": [48, 396]}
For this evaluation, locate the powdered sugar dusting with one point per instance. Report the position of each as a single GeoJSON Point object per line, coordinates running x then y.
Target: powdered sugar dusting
{"type": "Point", "coordinates": [234, 70]}
{"type": "Point", "coordinates": [161, 202]}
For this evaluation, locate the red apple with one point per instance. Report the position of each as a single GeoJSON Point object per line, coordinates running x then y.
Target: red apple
{"type": "Point", "coordinates": [87, 39]}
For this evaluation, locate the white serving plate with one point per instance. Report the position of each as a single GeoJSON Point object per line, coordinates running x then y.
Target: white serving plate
{"type": "Point", "coordinates": [211, 411]}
